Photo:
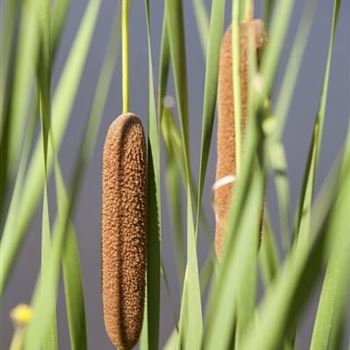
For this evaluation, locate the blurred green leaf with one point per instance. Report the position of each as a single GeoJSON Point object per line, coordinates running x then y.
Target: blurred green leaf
{"type": "Point", "coordinates": [172, 140]}
{"type": "Point", "coordinates": [24, 73]}
{"type": "Point", "coordinates": [268, 10]}
{"type": "Point", "coordinates": [45, 291]}
{"type": "Point", "coordinates": [174, 188]}
{"type": "Point", "coordinates": [279, 26]}
{"type": "Point", "coordinates": [44, 69]}
{"type": "Point", "coordinates": [284, 301]}
{"type": "Point", "coordinates": [190, 328]}
{"type": "Point", "coordinates": [331, 313]}
{"type": "Point", "coordinates": [292, 70]}
{"type": "Point", "coordinates": [50, 338]}
{"type": "Point", "coordinates": [222, 311]}
{"type": "Point", "coordinates": [238, 269]}
{"type": "Point", "coordinates": [9, 10]}
{"type": "Point", "coordinates": [278, 164]}
{"type": "Point", "coordinates": [72, 277]}
{"type": "Point", "coordinates": [210, 94]}
{"type": "Point", "coordinates": [303, 216]}
{"type": "Point", "coordinates": [60, 12]}
{"type": "Point", "coordinates": [268, 254]}
{"type": "Point", "coordinates": [164, 65]}
{"type": "Point", "coordinates": [15, 201]}
{"type": "Point", "coordinates": [61, 108]}
{"type": "Point", "coordinates": [202, 20]}
{"type": "Point", "coordinates": [71, 261]}
{"type": "Point", "coordinates": [150, 339]}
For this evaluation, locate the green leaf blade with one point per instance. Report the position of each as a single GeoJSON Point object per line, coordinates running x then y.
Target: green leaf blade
{"type": "Point", "coordinates": [61, 108]}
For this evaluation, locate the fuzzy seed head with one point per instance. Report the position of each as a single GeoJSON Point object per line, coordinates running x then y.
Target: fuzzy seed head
{"type": "Point", "coordinates": [124, 214]}
{"type": "Point", "coordinates": [226, 150]}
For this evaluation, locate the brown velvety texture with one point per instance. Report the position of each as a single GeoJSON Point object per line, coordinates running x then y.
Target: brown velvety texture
{"type": "Point", "coordinates": [226, 150]}
{"type": "Point", "coordinates": [124, 215]}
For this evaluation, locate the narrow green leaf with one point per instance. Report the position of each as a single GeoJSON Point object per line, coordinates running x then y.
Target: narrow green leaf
{"type": "Point", "coordinates": [230, 310]}
{"type": "Point", "coordinates": [190, 325]}
{"type": "Point", "coordinates": [72, 277]}
{"type": "Point", "coordinates": [164, 65]}
{"type": "Point", "coordinates": [26, 60]}
{"type": "Point", "coordinates": [9, 11]}
{"type": "Point", "coordinates": [236, 82]}
{"type": "Point", "coordinates": [268, 254]}
{"type": "Point", "coordinates": [303, 216]}
{"type": "Point", "coordinates": [279, 26]}
{"type": "Point", "coordinates": [210, 93]}
{"type": "Point", "coordinates": [17, 76]}
{"type": "Point", "coordinates": [71, 261]}
{"type": "Point", "coordinates": [190, 329]}
{"type": "Point", "coordinates": [50, 339]}
{"type": "Point", "coordinates": [178, 57]}
{"type": "Point", "coordinates": [169, 128]}
{"type": "Point", "coordinates": [44, 70]}
{"type": "Point", "coordinates": [276, 148]}
{"type": "Point", "coordinates": [175, 206]}
{"type": "Point", "coordinates": [15, 201]}
{"type": "Point", "coordinates": [202, 20]}
{"type": "Point", "coordinates": [45, 293]}
{"type": "Point", "coordinates": [229, 305]}
{"type": "Point", "coordinates": [268, 10]}
{"type": "Point", "coordinates": [287, 90]}
{"type": "Point", "coordinates": [172, 140]}
{"type": "Point", "coordinates": [217, 329]}
{"type": "Point", "coordinates": [284, 301]}
{"type": "Point", "coordinates": [61, 108]}
{"type": "Point", "coordinates": [331, 312]}
{"type": "Point", "coordinates": [7, 31]}
{"type": "Point", "coordinates": [60, 12]}
{"type": "Point", "coordinates": [278, 164]}
{"type": "Point", "coordinates": [46, 289]}
{"type": "Point", "coordinates": [150, 338]}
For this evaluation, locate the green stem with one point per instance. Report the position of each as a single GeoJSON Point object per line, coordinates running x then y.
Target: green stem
{"type": "Point", "coordinates": [17, 340]}
{"type": "Point", "coordinates": [249, 10]}
{"type": "Point", "coordinates": [125, 54]}
{"type": "Point", "coordinates": [236, 84]}
{"type": "Point", "coordinates": [267, 12]}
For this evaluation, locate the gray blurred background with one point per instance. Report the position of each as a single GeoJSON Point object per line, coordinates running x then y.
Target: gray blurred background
{"type": "Point", "coordinates": [87, 217]}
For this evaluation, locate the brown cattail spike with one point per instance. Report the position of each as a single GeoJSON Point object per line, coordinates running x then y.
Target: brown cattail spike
{"type": "Point", "coordinates": [226, 150]}
{"type": "Point", "coordinates": [124, 213]}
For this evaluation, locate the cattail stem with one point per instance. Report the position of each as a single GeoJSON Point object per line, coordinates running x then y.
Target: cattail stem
{"type": "Point", "coordinates": [17, 340]}
{"type": "Point", "coordinates": [125, 54]}
{"type": "Point", "coordinates": [236, 80]}
{"type": "Point", "coordinates": [249, 10]}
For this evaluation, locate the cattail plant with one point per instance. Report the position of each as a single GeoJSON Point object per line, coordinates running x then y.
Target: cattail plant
{"type": "Point", "coordinates": [124, 218]}
{"type": "Point", "coordinates": [124, 212]}
{"type": "Point", "coordinates": [256, 293]}
{"type": "Point", "coordinates": [227, 150]}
